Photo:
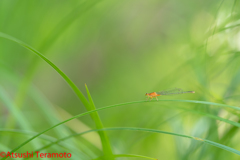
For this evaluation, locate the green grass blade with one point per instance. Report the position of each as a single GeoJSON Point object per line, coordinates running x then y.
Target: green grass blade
{"type": "Point", "coordinates": [189, 110]}
{"type": "Point", "coordinates": [222, 146]}
{"type": "Point", "coordinates": [44, 137]}
{"type": "Point", "coordinates": [116, 105]}
{"type": "Point", "coordinates": [128, 155]}
{"type": "Point", "coordinates": [44, 105]}
{"type": "Point", "coordinates": [98, 123]}
{"type": "Point", "coordinates": [203, 102]}
{"type": "Point", "coordinates": [64, 76]}
{"type": "Point", "coordinates": [50, 114]}
{"type": "Point", "coordinates": [23, 122]}
{"type": "Point", "coordinates": [133, 155]}
{"type": "Point", "coordinates": [57, 31]}
{"type": "Point", "coordinates": [210, 116]}
{"type": "Point", "coordinates": [103, 136]}
{"type": "Point", "coordinates": [229, 149]}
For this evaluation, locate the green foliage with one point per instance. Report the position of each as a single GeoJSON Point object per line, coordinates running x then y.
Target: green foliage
{"type": "Point", "coordinates": [121, 49]}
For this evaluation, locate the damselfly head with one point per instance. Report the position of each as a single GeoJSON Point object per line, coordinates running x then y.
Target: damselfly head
{"type": "Point", "coordinates": [192, 91]}
{"type": "Point", "coordinates": [146, 94]}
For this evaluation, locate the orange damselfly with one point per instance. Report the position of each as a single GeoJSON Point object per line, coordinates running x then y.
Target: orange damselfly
{"type": "Point", "coordinates": [166, 92]}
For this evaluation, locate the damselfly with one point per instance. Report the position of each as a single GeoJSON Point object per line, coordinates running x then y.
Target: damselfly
{"type": "Point", "coordinates": [167, 92]}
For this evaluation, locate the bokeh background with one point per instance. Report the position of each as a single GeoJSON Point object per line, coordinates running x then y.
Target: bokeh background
{"type": "Point", "coordinates": [121, 50]}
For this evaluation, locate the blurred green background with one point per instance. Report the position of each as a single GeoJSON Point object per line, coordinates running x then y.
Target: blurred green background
{"type": "Point", "coordinates": [121, 50]}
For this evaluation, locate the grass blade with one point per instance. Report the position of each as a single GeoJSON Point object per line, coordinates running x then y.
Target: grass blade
{"type": "Point", "coordinates": [45, 106]}
{"type": "Point", "coordinates": [128, 155]}
{"type": "Point", "coordinates": [57, 31]}
{"type": "Point", "coordinates": [211, 116]}
{"type": "Point", "coordinates": [64, 76]}
{"type": "Point", "coordinates": [105, 141]}
{"type": "Point", "coordinates": [133, 155]}
{"type": "Point", "coordinates": [23, 122]}
{"type": "Point", "coordinates": [95, 116]}
{"type": "Point", "coordinates": [44, 137]}
{"type": "Point", "coordinates": [116, 105]}
{"type": "Point", "coordinates": [229, 149]}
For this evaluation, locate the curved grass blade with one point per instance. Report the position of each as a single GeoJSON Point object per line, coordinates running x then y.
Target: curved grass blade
{"type": "Point", "coordinates": [121, 104]}
{"type": "Point", "coordinates": [53, 118]}
{"type": "Point", "coordinates": [127, 155]}
{"type": "Point", "coordinates": [63, 75]}
{"type": "Point", "coordinates": [189, 110]}
{"type": "Point", "coordinates": [204, 102]}
{"type": "Point", "coordinates": [45, 106]}
{"type": "Point", "coordinates": [133, 155]}
{"type": "Point", "coordinates": [45, 137]}
{"type": "Point", "coordinates": [23, 122]}
{"type": "Point", "coordinates": [151, 131]}
{"type": "Point", "coordinates": [71, 84]}
{"type": "Point", "coordinates": [62, 26]}
{"type": "Point", "coordinates": [211, 116]}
